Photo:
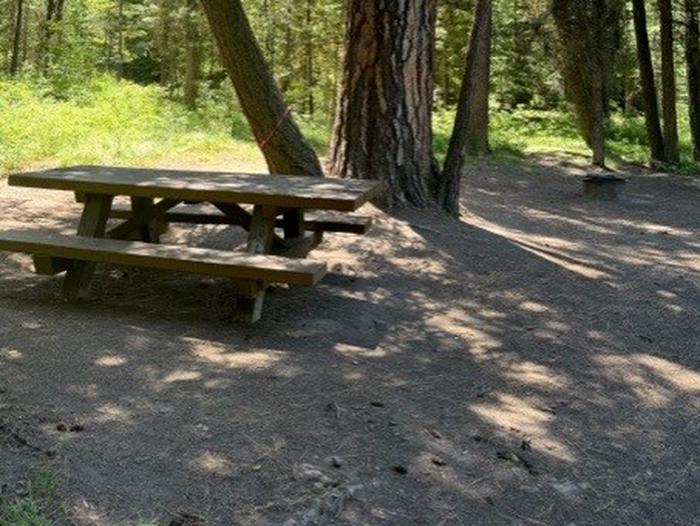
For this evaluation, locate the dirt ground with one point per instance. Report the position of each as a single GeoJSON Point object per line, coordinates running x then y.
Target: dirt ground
{"type": "Point", "coordinates": [536, 363]}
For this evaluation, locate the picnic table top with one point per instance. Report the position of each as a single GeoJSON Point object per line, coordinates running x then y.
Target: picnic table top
{"type": "Point", "coordinates": [223, 187]}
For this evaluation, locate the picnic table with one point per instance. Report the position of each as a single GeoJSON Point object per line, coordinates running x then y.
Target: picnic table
{"type": "Point", "coordinates": [285, 217]}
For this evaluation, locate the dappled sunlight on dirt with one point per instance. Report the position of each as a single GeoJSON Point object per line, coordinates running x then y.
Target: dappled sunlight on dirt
{"type": "Point", "coordinates": [529, 416]}
{"type": "Point", "coordinates": [219, 354]}
{"type": "Point", "coordinates": [534, 363]}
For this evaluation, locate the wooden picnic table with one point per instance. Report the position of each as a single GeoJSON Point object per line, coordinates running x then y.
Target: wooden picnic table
{"type": "Point", "coordinates": [158, 197]}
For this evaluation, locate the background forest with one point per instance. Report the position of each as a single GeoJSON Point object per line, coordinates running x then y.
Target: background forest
{"type": "Point", "coordinates": [132, 81]}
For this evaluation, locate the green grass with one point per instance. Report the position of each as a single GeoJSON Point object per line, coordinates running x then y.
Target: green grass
{"type": "Point", "coordinates": [113, 122]}
{"type": "Point", "coordinates": [518, 133]}
{"type": "Point", "coordinates": [29, 510]}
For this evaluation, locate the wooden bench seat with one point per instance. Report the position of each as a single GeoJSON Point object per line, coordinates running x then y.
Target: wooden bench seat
{"type": "Point", "coordinates": [235, 265]}
{"type": "Point", "coordinates": [319, 221]}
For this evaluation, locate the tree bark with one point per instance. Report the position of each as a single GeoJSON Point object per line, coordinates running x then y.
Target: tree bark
{"type": "Point", "coordinates": [309, 58]}
{"type": "Point", "coordinates": [588, 33]}
{"type": "Point", "coordinates": [284, 147]}
{"type": "Point", "coordinates": [193, 55]}
{"type": "Point", "coordinates": [692, 59]}
{"type": "Point", "coordinates": [120, 38]}
{"type": "Point", "coordinates": [16, 40]}
{"type": "Point", "coordinates": [54, 15]}
{"type": "Point", "coordinates": [470, 133]}
{"type": "Point", "coordinates": [383, 127]}
{"type": "Point", "coordinates": [646, 73]}
{"type": "Point", "coordinates": [668, 82]}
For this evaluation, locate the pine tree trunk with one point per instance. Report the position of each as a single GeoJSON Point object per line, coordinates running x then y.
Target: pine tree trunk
{"type": "Point", "coordinates": [588, 35]}
{"type": "Point", "coordinates": [646, 73]}
{"type": "Point", "coordinates": [285, 149]}
{"type": "Point", "coordinates": [54, 15]}
{"type": "Point", "coordinates": [668, 82]}
{"type": "Point", "coordinates": [16, 40]}
{"type": "Point", "coordinates": [470, 133]}
{"type": "Point", "coordinates": [193, 56]}
{"type": "Point", "coordinates": [120, 39]}
{"type": "Point", "coordinates": [383, 127]}
{"type": "Point", "coordinates": [692, 59]}
{"type": "Point", "coordinates": [309, 59]}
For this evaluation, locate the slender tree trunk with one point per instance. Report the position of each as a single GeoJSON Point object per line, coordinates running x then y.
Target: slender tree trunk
{"type": "Point", "coordinates": [17, 38]}
{"type": "Point", "coordinates": [283, 145]}
{"type": "Point", "coordinates": [668, 82]}
{"type": "Point", "coordinates": [120, 38]}
{"type": "Point", "coordinates": [193, 55]}
{"type": "Point", "coordinates": [309, 51]}
{"type": "Point", "coordinates": [384, 118]}
{"type": "Point", "coordinates": [269, 38]}
{"type": "Point", "coordinates": [470, 133]}
{"type": "Point", "coordinates": [289, 45]}
{"type": "Point", "coordinates": [588, 34]}
{"type": "Point", "coordinates": [646, 73]}
{"type": "Point", "coordinates": [54, 15]}
{"type": "Point", "coordinates": [692, 59]}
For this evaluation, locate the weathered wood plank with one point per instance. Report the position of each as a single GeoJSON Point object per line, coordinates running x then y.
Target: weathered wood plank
{"type": "Point", "coordinates": [221, 187]}
{"type": "Point", "coordinates": [233, 265]}
{"type": "Point", "coordinates": [142, 218]}
{"type": "Point", "coordinates": [297, 247]}
{"type": "Point", "coordinates": [93, 223]}
{"type": "Point", "coordinates": [235, 214]}
{"type": "Point", "coordinates": [293, 224]}
{"type": "Point", "coordinates": [47, 266]}
{"type": "Point", "coordinates": [206, 215]}
{"type": "Point", "coordinates": [261, 235]}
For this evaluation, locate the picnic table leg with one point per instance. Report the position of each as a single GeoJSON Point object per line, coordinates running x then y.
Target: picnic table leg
{"type": "Point", "coordinates": [93, 223]}
{"type": "Point", "coordinates": [150, 230]}
{"type": "Point", "coordinates": [251, 294]}
{"type": "Point", "coordinates": [297, 243]}
{"type": "Point", "coordinates": [293, 222]}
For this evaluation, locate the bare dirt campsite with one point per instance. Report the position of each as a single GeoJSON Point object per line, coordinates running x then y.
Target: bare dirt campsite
{"type": "Point", "coordinates": [535, 362]}
{"type": "Point", "coordinates": [349, 263]}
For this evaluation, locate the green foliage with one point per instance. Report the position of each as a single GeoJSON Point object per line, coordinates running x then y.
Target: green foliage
{"type": "Point", "coordinates": [29, 510]}
{"type": "Point", "coordinates": [118, 122]}
{"type": "Point", "coordinates": [23, 512]}
{"type": "Point", "coordinates": [524, 66]}
{"type": "Point", "coordinates": [112, 122]}
{"type": "Point", "coordinates": [521, 132]}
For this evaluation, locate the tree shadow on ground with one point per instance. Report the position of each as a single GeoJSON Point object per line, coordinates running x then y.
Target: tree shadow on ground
{"type": "Point", "coordinates": [534, 363]}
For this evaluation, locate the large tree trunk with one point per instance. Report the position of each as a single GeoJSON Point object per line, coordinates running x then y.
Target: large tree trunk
{"type": "Point", "coordinates": [646, 73]}
{"type": "Point", "coordinates": [589, 33]}
{"type": "Point", "coordinates": [279, 137]}
{"type": "Point", "coordinates": [383, 126]}
{"type": "Point", "coordinates": [692, 59]}
{"type": "Point", "coordinates": [16, 40]}
{"type": "Point", "coordinates": [470, 133]}
{"type": "Point", "coordinates": [193, 55]}
{"type": "Point", "coordinates": [668, 82]}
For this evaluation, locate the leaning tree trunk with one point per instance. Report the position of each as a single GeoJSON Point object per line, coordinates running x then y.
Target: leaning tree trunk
{"type": "Point", "coordinates": [646, 73]}
{"type": "Point", "coordinates": [279, 137]}
{"type": "Point", "coordinates": [692, 59]}
{"type": "Point", "coordinates": [383, 127]}
{"type": "Point", "coordinates": [470, 133]}
{"type": "Point", "coordinates": [668, 82]}
{"type": "Point", "coordinates": [16, 40]}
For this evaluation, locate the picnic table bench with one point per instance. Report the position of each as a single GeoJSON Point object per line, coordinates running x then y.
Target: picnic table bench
{"type": "Point", "coordinates": [285, 217]}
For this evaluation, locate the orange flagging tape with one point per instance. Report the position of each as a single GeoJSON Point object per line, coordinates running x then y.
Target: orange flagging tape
{"type": "Point", "coordinates": [277, 127]}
